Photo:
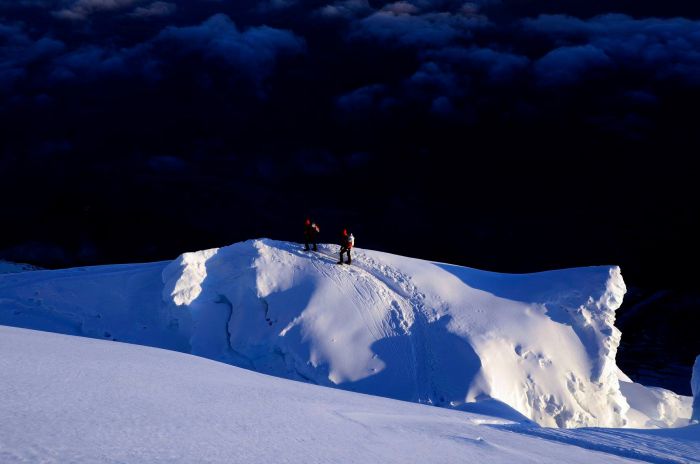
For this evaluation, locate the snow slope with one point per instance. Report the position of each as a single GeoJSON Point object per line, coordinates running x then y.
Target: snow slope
{"type": "Point", "coordinates": [543, 344]}
{"type": "Point", "coordinates": [79, 400]}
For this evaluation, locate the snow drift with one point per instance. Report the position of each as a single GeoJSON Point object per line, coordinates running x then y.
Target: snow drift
{"type": "Point", "coordinates": [544, 344]}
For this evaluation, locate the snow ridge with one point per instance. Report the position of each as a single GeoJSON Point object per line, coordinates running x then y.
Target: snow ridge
{"type": "Point", "coordinates": [594, 323]}
{"type": "Point", "coordinates": [378, 329]}
{"type": "Point", "coordinates": [535, 346]}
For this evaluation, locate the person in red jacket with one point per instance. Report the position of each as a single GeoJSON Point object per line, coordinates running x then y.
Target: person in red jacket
{"type": "Point", "coordinates": [311, 231]}
{"type": "Point", "coordinates": [347, 241]}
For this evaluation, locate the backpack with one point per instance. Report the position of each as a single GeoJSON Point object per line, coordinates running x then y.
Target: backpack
{"type": "Point", "coordinates": [351, 240]}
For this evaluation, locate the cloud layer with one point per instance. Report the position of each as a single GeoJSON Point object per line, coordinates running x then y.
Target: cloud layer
{"type": "Point", "coordinates": [268, 108]}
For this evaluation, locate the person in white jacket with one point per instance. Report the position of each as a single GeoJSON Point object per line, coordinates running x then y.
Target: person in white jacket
{"type": "Point", "coordinates": [346, 243]}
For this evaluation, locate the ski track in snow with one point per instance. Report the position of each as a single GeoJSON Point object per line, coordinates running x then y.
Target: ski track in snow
{"type": "Point", "coordinates": [407, 306]}
{"type": "Point", "coordinates": [362, 271]}
{"type": "Point", "coordinates": [401, 285]}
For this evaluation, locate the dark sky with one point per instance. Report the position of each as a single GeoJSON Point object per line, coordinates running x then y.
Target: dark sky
{"type": "Point", "coordinates": [512, 135]}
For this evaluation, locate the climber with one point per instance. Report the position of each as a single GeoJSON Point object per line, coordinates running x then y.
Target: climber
{"type": "Point", "coordinates": [347, 241]}
{"type": "Point", "coordinates": [311, 231]}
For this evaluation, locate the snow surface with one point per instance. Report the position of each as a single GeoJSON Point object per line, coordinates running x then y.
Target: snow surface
{"type": "Point", "coordinates": [538, 346]}
{"type": "Point", "coordinates": [80, 400]}
{"type": "Point", "coordinates": [695, 385]}
{"type": "Point", "coordinates": [654, 407]}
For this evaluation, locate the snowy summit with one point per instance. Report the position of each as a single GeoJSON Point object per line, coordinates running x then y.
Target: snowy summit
{"type": "Point", "coordinates": [537, 347]}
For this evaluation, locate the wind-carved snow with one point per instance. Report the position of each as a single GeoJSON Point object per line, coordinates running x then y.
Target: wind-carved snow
{"type": "Point", "coordinates": [537, 346]}
{"type": "Point", "coordinates": [544, 344]}
{"type": "Point", "coordinates": [654, 407]}
{"type": "Point", "coordinates": [188, 284]}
